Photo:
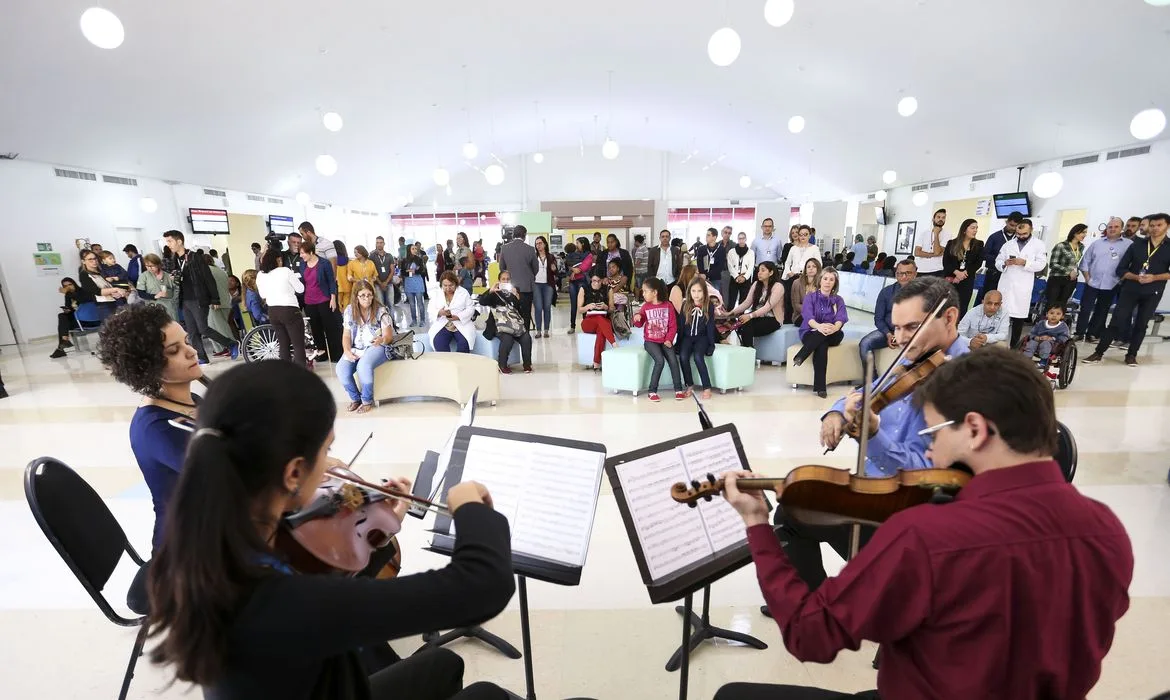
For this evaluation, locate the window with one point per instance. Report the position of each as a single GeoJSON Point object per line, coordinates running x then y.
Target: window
{"type": "Point", "coordinates": [691, 223]}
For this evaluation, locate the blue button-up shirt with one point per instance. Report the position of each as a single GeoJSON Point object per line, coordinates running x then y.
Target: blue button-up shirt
{"type": "Point", "coordinates": [1101, 259]}
{"type": "Point", "coordinates": [766, 249]}
{"type": "Point", "coordinates": [897, 444]}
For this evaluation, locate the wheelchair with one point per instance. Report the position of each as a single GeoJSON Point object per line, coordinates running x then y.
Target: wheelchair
{"type": "Point", "coordinates": [261, 343]}
{"type": "Point", "coordinates": [1062, 362]}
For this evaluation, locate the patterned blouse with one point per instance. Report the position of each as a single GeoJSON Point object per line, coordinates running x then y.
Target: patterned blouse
{"type": "Point", "coordinates": [1064, 259]}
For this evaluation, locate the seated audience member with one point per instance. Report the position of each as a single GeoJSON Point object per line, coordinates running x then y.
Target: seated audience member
{"type": "Point", "coordinates": [847, 265]}
{"type": "Point", "coordinates": [114, 273]}
{"type": "Point", "coordinates": [452, 315]}
{"type": "Point", "coordinates": [366, 330]}
{"type": "Point", "coordinates": [660, 321]}
{"type": "Point", "coordinates": [144, 348]}
{"type": "Point", "coordinates": [883, 336]}
{"type": "Point", "coordinates": [94, 287]}
{"type": "Point", "coordinates": [697, 335]}
{"type": "Point", "coordinates": [987, 323]}
{"type": "Point", "coordinates": [804, 284]}
{"type": "Point", "coordinates": [761, 312]}
{"type": "Point", "coordinates": [593, 305]}
{"type": "Point", "coordinates": [66, 321]}
{"type": "Point", "coordinates": [619, 302]}
{"type": "Point", "coordinates": [253, 302]}
{"type": "Point", "coordinates": [467, 274]}
{"type": "Point", "coordinates": [506, 322]}
{"type": "Point", "coordinates": [1047, 334]}
{"type": "Point", "coordinates": [157, 286]}
{"type": "Point", "coordinates": [958, 583]}
{"type": "Point", "coordinates": [823, 313]}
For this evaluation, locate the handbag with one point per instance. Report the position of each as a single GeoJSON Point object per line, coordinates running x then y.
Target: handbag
{"type": "Point", "coordinates": [508, 320]}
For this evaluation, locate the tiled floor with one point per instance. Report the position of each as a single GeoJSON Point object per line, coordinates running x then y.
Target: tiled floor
{"type": "Point", "coordinates": [602, 639]}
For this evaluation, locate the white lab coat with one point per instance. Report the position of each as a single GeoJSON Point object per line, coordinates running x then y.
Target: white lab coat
{"type": "Point", "coordinates": [1017, 281]}
{"type": "Point", "coordinates": [464, 310]}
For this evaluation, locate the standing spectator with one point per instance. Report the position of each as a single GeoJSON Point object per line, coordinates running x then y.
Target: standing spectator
{"type": "Point", "coordinates": [414, 285]}
{"type": "Point", "coordinates": [426, 271]}
{"type": "Point", "coordinates": [367, 330]}
{"type": "Point", "coordinates": [1019, 260]}
{"type": "Point", "coordinates": [452, 315]}
{"type": "Point", "coordinates": [134, 268]}
{"type": "Point", "coordinates": [665, 261]}
{"type": "Point", "coordinates": [198, 294]}
{"type": "Point", "coordinates": [403, 249]}
{"type": "Point", "coordinates": [991, 251]}
{"type": "Point", "coordinates": [1134, 227]}
{"type": "Point", "coordinates": [713, 260]}
{"type": "Point", "coordinates": [320, 283]}
{"type": "Point", "coordinates": [788, 246]}
{"type": "Point", "coordinates": [279, 287]}
{"type": "Point", "coordinates": [860, 250]}
{"type": "Point", "coordinates": [384, 266]}
{"type": "Point", "coordinates": [1063, 266]}
{"type": "Point", "coordinates": [761, 312]}
{"type": "Point", "coordinates": [1099, 266]}
{"type": "Point", "coordinates": [156, 286]}
{"type": "Point", "coordinates": [579, 263]}
{"type": "Point", "coordinates": [823, 314]}
{"type": "Point", "coordinates": [341, 272]}
{"type": "Point", "coordinates": [543, 285]}
{"type": "Point", "coordinates": [361, 269]}
{"type": "Point", "coordinates": [883, 310]}
{"type": "Point", "coordinates": [961, 259]}
{"type": "Point", "coordinates": [697, 335]}
{"type": "Point", "coordinates": [467, 274]}
{"type": "Point", "coordinates": [741, 261]}
{"type": "Point", "coordinates": [986, 324]}
{"type": "Point", "coordinates": [930, 257]}
{"type": "Point", "coordinates": [256, 252]}
{"type": "Point", "coordinates": [462, 249]}
{"type": "Point", "coordinates": [219, 318]}
{"type": "Point", "coordinates": [593, 303]}
{"type": "Point", "coordinates": [871, 250]}
{"type": "Point", "coordinates": [292, 256]}
{"type": "Point", "coordinates": [519, 258]}
{"type": "Point", "coordinates": [767, 247]}
{"type": "Point", "coordinates": [641, 257]}
{"type": "Point", "coordinates": [801, 252]}
{"type": "Point", "coordinates": [324, 247]}
{"type": "Point", "coordinates": [215, 261]}
{"type": "Point", "coordinates": [1144, 270]}
{"type": "Point", "coordinates": [660, 321]}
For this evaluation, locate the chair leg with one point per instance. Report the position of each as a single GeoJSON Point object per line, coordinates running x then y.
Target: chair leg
{"type": "Point", "coordinates": [139, 642]}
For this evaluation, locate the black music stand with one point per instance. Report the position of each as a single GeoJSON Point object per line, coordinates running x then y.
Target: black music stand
{"type": "Point", "coordinates": [701, 624]}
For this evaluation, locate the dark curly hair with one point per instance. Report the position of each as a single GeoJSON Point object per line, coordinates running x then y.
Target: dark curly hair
{"type": "Point", "coordinates": [132, 347]}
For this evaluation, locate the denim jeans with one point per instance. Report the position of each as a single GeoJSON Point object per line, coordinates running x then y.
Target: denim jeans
{"type": "Point", "coordinates": [365, 366]}
{"type": "Point", "coordinates": [542, 302]}
{"type": "Point", "coordinates": [662, 355]}
{"type": "Point", "coordinates": [418, 309]}
{"type": "Point", "coordinates": [873, 342]}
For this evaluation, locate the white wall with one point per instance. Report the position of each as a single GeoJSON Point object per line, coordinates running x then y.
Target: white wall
{"type": "Point", "coordinates": [38, 206]}
{"type": "Point", "coordinates": [1124, 187]}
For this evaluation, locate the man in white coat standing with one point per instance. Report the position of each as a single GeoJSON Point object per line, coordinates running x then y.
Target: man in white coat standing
{"type": "Point", "coordinates": [1020, 259]}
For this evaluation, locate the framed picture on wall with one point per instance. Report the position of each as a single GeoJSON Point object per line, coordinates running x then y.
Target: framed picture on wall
{"type": "Point", "coordinates": [904, 245]}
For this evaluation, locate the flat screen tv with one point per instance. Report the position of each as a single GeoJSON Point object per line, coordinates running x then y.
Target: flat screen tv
{"type": "Point", "coordinates": [209, 221]}
{"type": "Point", "coordinates": [280, 225]}
{"type": "Point", "coordinates": [1006, 204]}
{"type": "Point", "coordinates": [880, 213]}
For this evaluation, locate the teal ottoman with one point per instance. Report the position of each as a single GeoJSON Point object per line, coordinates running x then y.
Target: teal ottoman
{"type": "Point", "coordinates": [732, 367]}
{"type": "Point", "coordinates": [625, 369]}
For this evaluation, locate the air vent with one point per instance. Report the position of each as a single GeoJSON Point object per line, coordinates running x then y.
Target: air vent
{"type": "Point", "coordinates": [1083, 160]}
{"type": "Point", "coordinates": [172, 183]}
{"type": "Point", "coordinates": [214, 193]}
{"type": "Point", "coordinates": [871, 195]}
{"type": "Point", "coordinates": [984, 176]}
{"type": "Point", "coordinates": [1128, 153]}
{"type": "Point", "coordinates": [274, 200]}
{"type": "Point", "coordinates": [113, 180]}
{"type": "Point", "coordinates": [255, 198]}
{"type": "Point", "coordinates": [320, 206]}
{"type": "Point", "coordinates": [920, 188]}
{"type": "Point", "coordinates": [75, 174]}
{"type": "Point", "coordinates": [940, 183]}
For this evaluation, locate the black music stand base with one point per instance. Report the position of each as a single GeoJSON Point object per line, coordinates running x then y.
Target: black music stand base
{"type": "Point", "coordinates": [433, 640]}
{"type": "Point", "coordinates": [704, 630]}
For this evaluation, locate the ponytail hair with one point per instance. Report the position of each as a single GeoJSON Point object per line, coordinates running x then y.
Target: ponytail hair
{"type": "Point", "coordinates": [255, 420]}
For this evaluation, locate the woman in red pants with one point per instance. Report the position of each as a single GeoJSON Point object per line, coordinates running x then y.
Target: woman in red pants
{"type": "Point", "coordinates": [593, 305]}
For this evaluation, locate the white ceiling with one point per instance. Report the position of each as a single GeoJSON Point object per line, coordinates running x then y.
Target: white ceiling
{"type": "Point", "coordinates": [230, 93]}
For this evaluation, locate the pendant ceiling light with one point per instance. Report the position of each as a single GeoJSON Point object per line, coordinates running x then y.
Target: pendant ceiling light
{"type": "Point", "coordinates": [302, 198]}
{"type": "Point", "coordinates": [441, 177]}
{"type": "Point", "coordinates": [880, 195]}
{"type": "Point", "coordinates": [1048, 185]}
{"type": "Point", "coordinates": [494, 174]}
{"type": "Point", "coordinates": [745, 181]}
{"type": "Point", "coordinates": [889, 177]}
{"type": "Point", "coordinates": [102, 28]}
{"type": "Point", "coordinates": [148, 205]}
{"type": "Point", "coordinates": [1148, 123]}
{"type": "Point", "coordinates": [332, 121]}
{"type": "Point", "coordinates": [907, 106]}
{"type": "Point", "coordinates": [723, 47]}
{"type": "Point", "coordinates": [538, 158]}
{"type": "Point", "coordinates": [610, 149]}
{"type": "Point", "coordinates": [919, 198]}
{"type": "Point", "coordinates": [796, 124]}
{"type": "Point", "coordinates": [470, 150]}
{"type": "Point", "coordinates": [779, 12]}
{"type": "Point", "coordinates": [326, 165]}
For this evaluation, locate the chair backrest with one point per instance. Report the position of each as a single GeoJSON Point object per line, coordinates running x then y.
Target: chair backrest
{"type": "Point", "coordinates": [79, 525]}
{"type": "Point", "coordinates": [88, 312]}
{"type": "Point", "coordinates": [1066, 451]}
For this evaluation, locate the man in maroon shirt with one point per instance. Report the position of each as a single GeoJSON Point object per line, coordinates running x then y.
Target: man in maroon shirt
{"type": "Point", "coordinates": [1012, 591]}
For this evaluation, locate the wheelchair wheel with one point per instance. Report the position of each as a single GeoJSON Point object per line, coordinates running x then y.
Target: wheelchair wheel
{"type": "Point", "coordinates": [1068, 365]}
{"type": "Point", "coordinates": [1066, 451]}
{"type": "Point", "coordinates": [261, 344]}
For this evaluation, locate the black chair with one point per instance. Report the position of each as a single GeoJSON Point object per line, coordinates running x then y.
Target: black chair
{"type": "Point", "coordinates": [86, 535]}
{"type": "Point", "coordinates": [1066, 451]}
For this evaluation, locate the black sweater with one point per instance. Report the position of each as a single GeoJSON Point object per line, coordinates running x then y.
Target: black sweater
{"type": "Point", "coordinates": [295, 637]}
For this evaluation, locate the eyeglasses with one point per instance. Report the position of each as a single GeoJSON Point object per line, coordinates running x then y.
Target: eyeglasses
{"type": "Point", "coordinates": [365, 296]}
{"type": "Point", "coordinates": [926, 432]}
{"type": "Point", "coordinates": [904, 274]}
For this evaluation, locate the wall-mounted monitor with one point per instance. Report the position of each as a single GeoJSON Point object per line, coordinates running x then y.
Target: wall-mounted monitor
{"type": "Point", "coordinates": [1006, 204]}
{"type": "Point", "coordinates": [880, 213]}
{"type": "Point", "coordinates": [209, 221]}
{"type": "Point", "coordinates": [280, 225]}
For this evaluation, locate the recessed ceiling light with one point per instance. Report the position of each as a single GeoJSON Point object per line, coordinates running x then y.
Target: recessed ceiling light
{"type": "Point", "coordinates": [441, 177]}
{"type": "Point", "coordinates": [919, 198]}
{"type": "Point", "coordinates": [1158, 3]}
{"type": "Point", "coordinates": [494, 174]}
{"type": "Point", "coordinates": [538, 158]}
{"type": "Point", "coordinates": [745, 181]}
{"type": "Point", "coordinates": [332, 121]}
{"type": "Point", "coordinates": [889, 177]}
{"type": "Point", "coordinates": [326, 165]}
{"type": "Point", "coordinates": [779, 12]}
{"type": "Point", "coordinates": [1148, 123]}
{"type": "Point", "coordinates": [723, 47]}
{"type": "Point", "coordinates": [470, 150]}
{"type": "Point", "coordinates": [148, 205]}
{"type": "Point", "coordinates": [610, 149]}
{"type": "Point", "coordinates": [102, 28]}
{"type": "Point", "coordinates": [302, 198]}
{"type": "Point", "coordinates": [907, 106]}
{"type": "Point", "coordinates": [796, 124]}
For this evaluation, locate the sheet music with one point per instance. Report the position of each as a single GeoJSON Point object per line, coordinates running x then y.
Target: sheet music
{"type": "Point", "coordinates": [547, 492]}
{"type": "Point", "coordinates": [672, 535]}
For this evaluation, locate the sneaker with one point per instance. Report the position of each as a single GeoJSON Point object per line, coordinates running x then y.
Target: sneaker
{"type": "Point", "coordinates": [57, 354]}
{"type": "Point", "coordinates": [505, 370]}
{"type": "Point", "coordinates": [680, 396]}
{"type": "Point", "coordinates": [1121, 344]}
{"type": "Point", "coordinates": [235, 351]}
{"type": "Point", "coordinates": [66, 343]}
{"type": "Point", "coordinates": [1092, 339]}
{"type": "Point", "coordinates": [822, 393]}
{"type": "Point", "coordinates": [654, 398]}
{"type": "Point", "coordinates": [1094, 359]}
{"type": "Point", "coordinates": [527, 369]}
{"type": "Point", "coordinates": [1079, 338]}
{"type": "Point", "coordinates": [546, 334]}
{"type": "Point", "coordinates": [222, 353]}
{"type": "Point", "coordinates": [572, 330]}
{"type": "Point", "coordinates": [1131, 360]}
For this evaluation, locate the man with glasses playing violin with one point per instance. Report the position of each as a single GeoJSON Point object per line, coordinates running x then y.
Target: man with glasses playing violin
{"type": "Point", "coordinates": [1011, 591]}
{"type": "Point", "coordinates": [894, 442]}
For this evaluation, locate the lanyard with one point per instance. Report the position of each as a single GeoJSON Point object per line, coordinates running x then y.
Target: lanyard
{"type": "Point", "coordinates": [1150, 250]}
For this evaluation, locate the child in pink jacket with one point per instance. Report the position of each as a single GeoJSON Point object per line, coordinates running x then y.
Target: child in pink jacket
{"type": "Point", "coordinates": [659, 322]}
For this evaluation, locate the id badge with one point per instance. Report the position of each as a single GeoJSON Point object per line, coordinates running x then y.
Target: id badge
{"type": "Point", "coordinates": [963, 265]}
{"type": "Point", "coordinates": [1112, 253]}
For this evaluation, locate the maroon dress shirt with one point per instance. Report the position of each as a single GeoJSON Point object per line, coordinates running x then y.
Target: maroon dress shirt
{"type": "Point", "coordinates": [1011, 591]}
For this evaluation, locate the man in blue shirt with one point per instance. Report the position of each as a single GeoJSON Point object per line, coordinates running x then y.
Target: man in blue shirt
{"type": "Point", "coordinates": [767, 247]}
{"type": "Point", "coordinates": [895, 442]}
{"type": "Point", "coordinates": [991, 251]}
{"type": "Point", "coordinates": [1099, 268]}
{"type": "Point", "coordinates": [883, 337]}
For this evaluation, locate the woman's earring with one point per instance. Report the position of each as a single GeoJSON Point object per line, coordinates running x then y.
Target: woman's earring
{"type": "Point", "coordinates": [296, 491]}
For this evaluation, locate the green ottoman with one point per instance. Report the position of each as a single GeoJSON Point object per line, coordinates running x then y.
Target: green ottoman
{"type": "Point", "coordinates": [732, 367]}
{"type": "Point", "coordinates": [625, 368]}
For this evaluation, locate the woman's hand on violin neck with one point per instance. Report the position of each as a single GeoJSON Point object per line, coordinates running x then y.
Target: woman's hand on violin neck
{"type": "Point", "coordinates": [467, 492]}
{"type": "Point", "coordinates": [750, 505]}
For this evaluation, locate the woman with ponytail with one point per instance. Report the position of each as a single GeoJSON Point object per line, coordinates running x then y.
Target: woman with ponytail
{"type": "Point", "coordinates": [231, 616]}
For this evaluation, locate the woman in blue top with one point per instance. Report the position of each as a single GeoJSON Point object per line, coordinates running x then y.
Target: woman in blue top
{"type": "Point", "coordinates": [413, 267]}
{"type": "Point", "coordinates": [147, 350]}
{"type": "Point", "coordinates": [824, 314]}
